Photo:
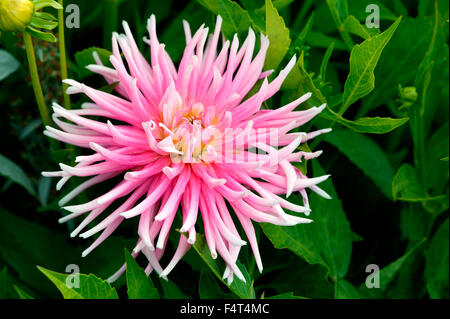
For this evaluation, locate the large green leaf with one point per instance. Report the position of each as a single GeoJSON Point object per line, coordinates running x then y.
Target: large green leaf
{"type": "Point", "coordinates": [363, 60]}
{"type": "Point", "coordinates": [278, 36]}
{"type": "Point", "coordinates": [90, 286]}
{"type": "Point", "coordinates": [437, 261]}
{"type": "Point", "coordinates": [50, 248]}
{"type": "Point", "coordinates": [13, 172]}
{"type": "Point", "coordinates": [327, 241]}
{"type": "Point", "coordinates": [241, 289]}
{"type": "Point", "coordinates": [8, 64]}
{"type": "Point", "coordinates": [365, 154]}
{"type": "Point", "coordinates": [138, 284]}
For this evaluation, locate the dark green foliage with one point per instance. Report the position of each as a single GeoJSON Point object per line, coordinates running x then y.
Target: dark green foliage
{"type": "Point", "coordinates": [387, 93]}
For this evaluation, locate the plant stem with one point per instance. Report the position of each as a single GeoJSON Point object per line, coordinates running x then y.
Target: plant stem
{"type": "Point", "coordinates": [110, 20]}
{"type": "Point", "coordinates": [62, 54]}
{"type": "Point", "coordinates": [35, 79]}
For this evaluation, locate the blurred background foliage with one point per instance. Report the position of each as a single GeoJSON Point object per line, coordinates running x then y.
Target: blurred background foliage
{"type": "Point", "coordinates": [388, 156]}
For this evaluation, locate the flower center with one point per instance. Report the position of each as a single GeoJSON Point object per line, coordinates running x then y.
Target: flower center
{"type": "Point", "coordinates": [192, 131]}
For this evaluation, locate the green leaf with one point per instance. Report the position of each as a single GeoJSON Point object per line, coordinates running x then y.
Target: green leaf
{"type": "Point", "coordinates": [407, 187]}
{"type": "Point", "coordinates": [303, 280]}
{"type": "Point", "coordinates": [41, 23]}
{"type": "Point", "coordinates": [85, 57]}
{"type": "Point", "coordinates": [235, 19]}
{"type": "Point", "coordinates": [352, 25]}
{"type": "Point", "coordinates": [209, 288]}
{"type": "Point", "coordinates": [138, 284]}
{"type": "Point", "coordinates": [327, 241]}
{"type": "Point", "coordinates": [436, 263]}
{"type": "Point", "coordinates": [109, 88]}
{"type": "Point", "coordinates": [241, 289]}
{"type": "Point", "coordinates": [437, 171]}
{"type": "Point", "coordinates": [38, 34]}
{"type": "Point", "coordinates": [365, 154]}
{"type": "Point", "coordinates": [22, 294]}
{"type": "Point", "coordinates": [372, 125]}
{"type": "Point", "coordinates": [363, 60]}
{"type": "Point", "coordinates": [4, 283]}
{"type": "Point", "coordinates": [13, 172]}
{"type": "Point", "coordinates": [300, 82]}
{"type": "Point", "coordinates": [399, 62]}
{"type": "Point", "coordinates": [298, 44]}
{"type": "Point", "coordinates": [357, 8]}
{"type": "Point", "coordinates": [321, 40]}
{"type": "Point", "coordinates": [338, 10]}
{"type": "Point", "coordinates": [287, 295]}
{"type": "Point", "coordinates": [345, 290]}
{"type": "Point", "coordinates": [8, 64]}
{"type": "Point", "coordinates": [171, 291]}
{"type": "Point", "coordinates": [278, 36]}
{"type": "Point", "coordinates": [39, 4]}
{"type": "Point", "coordinates": [90, 286]}
{"type": "Point", "coordinates": [45, 15]}
{"type": "Point", "coordinates": [30, 128]}
{"type": "Point", "coordinates": [44, 185]}
{"type": "Point", "coordinates": [389, 273]}
{"type": "Point", "coordinates": [50, 248]}
{"type": "Point", "coordinates": [8, 287]}
{"type": "Point", "coordinates": [324, 64]}
{"type": "Point", "coordinates": [303, 165]}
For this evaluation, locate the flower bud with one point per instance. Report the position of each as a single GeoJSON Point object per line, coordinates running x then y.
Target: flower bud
{"type": "Point", "coordinates": [408, 93]}
{"type": "Point", "coordinates": [15, 15]}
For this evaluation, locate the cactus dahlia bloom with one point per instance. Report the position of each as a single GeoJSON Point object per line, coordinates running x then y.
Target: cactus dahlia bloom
{"type": "Point", "coordinates": [186, 141]}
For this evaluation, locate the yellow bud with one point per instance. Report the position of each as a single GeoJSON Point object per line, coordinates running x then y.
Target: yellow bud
{"type": "Point", "coordinates": [15, 15]}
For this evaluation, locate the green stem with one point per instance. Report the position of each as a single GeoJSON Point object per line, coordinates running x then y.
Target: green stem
{"type": "Point", "coordinates": [110, 21]}
{"type": "Point", "coordinates": [62, 54]}
{"type": "Point", "coordinates": [35, 79]}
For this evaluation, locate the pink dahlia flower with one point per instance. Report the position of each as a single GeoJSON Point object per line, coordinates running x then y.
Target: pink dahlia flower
{"type": "Point", "coordinates": [187, 139]}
